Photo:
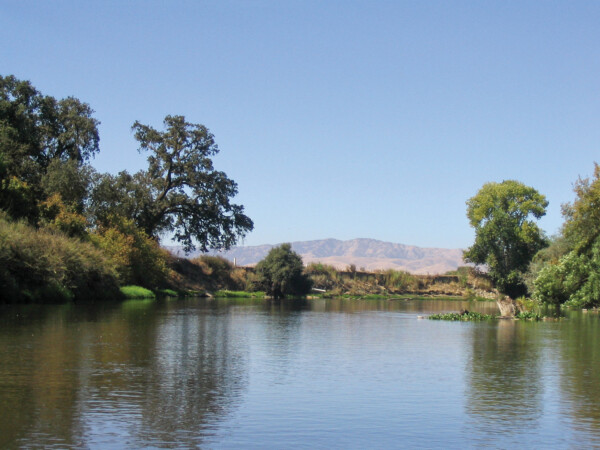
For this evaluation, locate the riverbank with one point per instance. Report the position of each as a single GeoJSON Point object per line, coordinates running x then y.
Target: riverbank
{"type": "Point", "coordinates": [43, 265]}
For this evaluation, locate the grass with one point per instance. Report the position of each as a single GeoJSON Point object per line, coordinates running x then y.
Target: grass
{"type": "Point", "coordinates": [132, 292]}
{"type": "Point", "coordinates": [238, 294]}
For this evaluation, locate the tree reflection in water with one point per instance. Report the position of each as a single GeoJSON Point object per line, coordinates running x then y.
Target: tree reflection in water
{"type": "Point", "coordinates": [130, 373]}
{"type": "Point", "coordinates": [503, 390]}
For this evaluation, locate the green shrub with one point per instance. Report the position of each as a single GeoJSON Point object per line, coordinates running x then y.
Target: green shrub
{"type": "Point", "coordinates": [529, 315]}
{"type": "Point", "coordinates": [238, 294]}
{"type": "Point", "coordinates": [40, 265]}
{"type": "Point", "coordinates": [138, 259]}
{"type": "Point", "coordinates": [281, 273]}
{"type": "Point", "coordinates": [133, 291]}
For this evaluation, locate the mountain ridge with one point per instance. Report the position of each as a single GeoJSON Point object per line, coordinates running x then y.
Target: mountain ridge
{"type": "Point", "coordinates": [364, 253]}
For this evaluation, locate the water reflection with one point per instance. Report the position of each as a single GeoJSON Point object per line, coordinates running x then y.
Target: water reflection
{"type": "Point", "coordinates": [137, 371]}
{"type": "Point", "coordinates": [503, 391]}
{"type": "Point", "coordinates": [239, 372]}
{"type": "Point", "coordinates": [580, 370]}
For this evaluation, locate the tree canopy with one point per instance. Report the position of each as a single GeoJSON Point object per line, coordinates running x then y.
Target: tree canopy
{"type": "Point", "coordinates": [37, 129]}
{"type": "Point", "coordinates": [36, 132]}
{"type": "Point", "coordinates": [575, 277]}
{"type": "Point", "coordinates": [281, 273]}
{"type": "Point", "coordinates": [180, 192]}
{"type": "Point", "coordinates": [506, 238]}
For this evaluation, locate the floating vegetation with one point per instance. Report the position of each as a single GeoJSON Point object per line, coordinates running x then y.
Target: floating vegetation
{"type": "Point", "coordinates": [464, 316]}
{"type": "Point", "coordinates": [529, 315]}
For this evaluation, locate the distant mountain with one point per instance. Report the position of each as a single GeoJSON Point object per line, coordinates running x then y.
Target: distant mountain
{"type": "Point", "coordinates": [369, 254]}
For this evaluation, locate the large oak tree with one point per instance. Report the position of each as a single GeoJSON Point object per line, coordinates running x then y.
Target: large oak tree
{"type": "Point", "coordinates": [180, 192]}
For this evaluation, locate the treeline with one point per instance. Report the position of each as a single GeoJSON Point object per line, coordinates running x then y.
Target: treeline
{"type": "Point", "coordinates": [282, 274]}
{"type": "Point", "coordinates": [68, 232]}
{"type": "Point", "coordinates": [567, 271]}
{"type": "Point", "coordinates": [521, 260]}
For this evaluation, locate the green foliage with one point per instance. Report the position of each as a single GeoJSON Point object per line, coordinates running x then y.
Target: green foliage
{"type": "Point", "coordinates": [39, 265]}
{"type": "Point", "coordinates": [36, 131]}
{"type": "Point", "coordinates": [574, 280]}
{"type": "Point", "coordinates": [468, 316]}
{"type": "Point", "coordinates": [550, 255]}
{"type": "Point", "coordinates": [238, 294]}
{"type": "Point", "coordinates": [281, 273]}
{"type": "Point", "coordinates": [69, 179]}
{"type": "Point", "coordinates": [132, 291]}
{"type": "Point", "coordinates": [572, 276]}
{"type": "Point", "coordinates": [506, 239]}
{"type": "Point", "coordinates": [18, 198]}
{"type": "Point", "coordinates": [529, 315]}
{"type": "Point", "coordinates": [582, 225]}
{"type": "Point", "coordinates": [180, 192]}
{"type": "Point", "coordinates": [56, 215]}
{"type": "Point", "coordinates": [138, 258]}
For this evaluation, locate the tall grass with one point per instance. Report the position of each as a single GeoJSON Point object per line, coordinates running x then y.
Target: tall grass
{"type": "Point", "coordinates": [398, 280]}
{"type": "Point", "coordinates": [40, 265]}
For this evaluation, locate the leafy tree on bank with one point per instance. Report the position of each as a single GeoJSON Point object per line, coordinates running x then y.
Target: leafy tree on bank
{"type": "Point", "coordinates": [506, 238]}
{"type": "Point", "coordinates": [575, 277]}
{"type": "Point", "coordinates": [281, 273]}
{"type": "Point", "coordinates": [181, 192]}
{"type": "Point", "coordinates": [36, 131]}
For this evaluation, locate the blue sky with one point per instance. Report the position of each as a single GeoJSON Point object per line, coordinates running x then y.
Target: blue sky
{"type": "Point", "coordinates": [342, 119]}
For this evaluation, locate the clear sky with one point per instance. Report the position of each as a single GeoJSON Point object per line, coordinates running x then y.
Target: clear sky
{"type": "Point", "coordinates": [342, 119]}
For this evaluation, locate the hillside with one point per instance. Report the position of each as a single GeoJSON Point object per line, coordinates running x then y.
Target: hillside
{"type": "Point", "coordinates": [369, 254]}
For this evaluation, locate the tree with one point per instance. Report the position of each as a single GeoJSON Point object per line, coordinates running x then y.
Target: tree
{"type": "Point", "coordinates": [35, 131]}
{"type": "Point", "coordinates": [575, 277]}
{"type": "Point", "coordinates": [180, 192]}
{"type": "Point", "coordinates": [506, 239]}
{"type": "Point", "coordinates": [281, 273]}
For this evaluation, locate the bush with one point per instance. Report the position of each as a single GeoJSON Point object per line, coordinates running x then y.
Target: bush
{"type": "Point", "coordinates": [139, 259]}
{"type": "Point", "coordinates": [281, 273]}
{"type": "Point", "coordinates": [41, 265]}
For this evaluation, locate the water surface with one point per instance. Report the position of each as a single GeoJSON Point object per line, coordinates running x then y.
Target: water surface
{"type": "Point", "coordinates": [226, 373]}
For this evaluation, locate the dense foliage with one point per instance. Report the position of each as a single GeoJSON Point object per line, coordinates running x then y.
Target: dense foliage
{"type": "Point", "coordinates": [39, 265]}
{"type": "Point", "coordinates": [180, 192]}
{"type": "Point", "coordinates": [40, 137]}
{"type": "Point", "coordinates": [574, 277]}
{"type": "Point", "coordinates": [85, 230]}
{"type": "Point", "coordinates": [281, 273]}
{"type": "Point", "coordinates": [506, 239]}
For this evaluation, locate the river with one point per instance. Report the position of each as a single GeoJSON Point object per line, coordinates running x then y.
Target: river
{"type": "Point", "coordinates": [226, 373]}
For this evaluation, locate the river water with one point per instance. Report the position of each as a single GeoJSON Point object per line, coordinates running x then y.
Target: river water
{"type": "Point", "coordinates": [219, 373]}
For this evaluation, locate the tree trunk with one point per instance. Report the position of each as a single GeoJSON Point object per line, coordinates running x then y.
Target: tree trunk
{"type": "Point", "coordinates": [507, 306]}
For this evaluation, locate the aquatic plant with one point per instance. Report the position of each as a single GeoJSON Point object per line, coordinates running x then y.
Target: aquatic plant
{"type": "Point", "coordinates": [465, 316]}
